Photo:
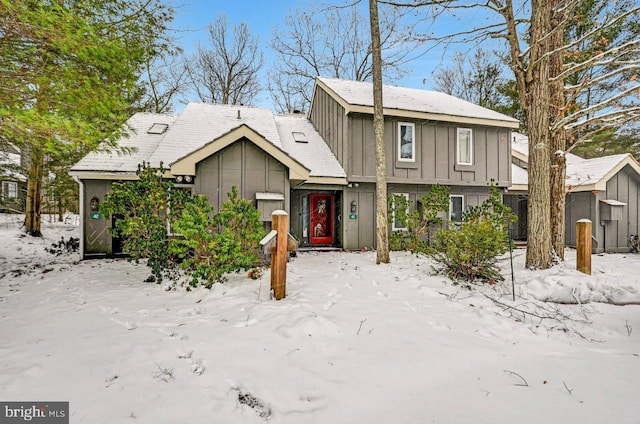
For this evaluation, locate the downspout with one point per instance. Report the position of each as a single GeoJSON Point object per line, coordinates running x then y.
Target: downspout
{"type": "Point", "coordinates": [81, 212]}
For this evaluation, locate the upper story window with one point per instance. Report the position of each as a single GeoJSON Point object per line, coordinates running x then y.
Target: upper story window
{"type": "Point", "coordinates": [10, 189]}
{"type": "Point", "coordinates": [406, 142]}
{"type": "Point", "coordinates": [464, 146]}
{"type": "Point", "coordinates": [456, 207]}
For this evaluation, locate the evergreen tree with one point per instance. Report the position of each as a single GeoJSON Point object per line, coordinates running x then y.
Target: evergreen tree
{"type": "Point", "coordinates": [68, 70]}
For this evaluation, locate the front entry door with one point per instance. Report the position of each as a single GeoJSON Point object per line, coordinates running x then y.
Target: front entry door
{"type": "Point", "coordinates": [321, 215]}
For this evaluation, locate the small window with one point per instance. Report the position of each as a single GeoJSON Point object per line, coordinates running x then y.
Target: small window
{"type": "Point", "coordinates": [464, 147]}
{"type": "Point", "coordinates": [300, 137]}
{"type": "Point", "coordinates": [157, 128]}
{"type": "Point", "coordinates": [398, 225]}
{"type": "Point", "coordinates": [406, 142]}
{"type": "Point", "coordinates": [456, 207]}
{"type": "Point", "coordinates": [10, 189]}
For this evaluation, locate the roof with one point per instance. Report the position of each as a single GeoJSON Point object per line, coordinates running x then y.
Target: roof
{"type": "Point", "coordinates": [520, 149]}
{"type": "Point", "coordinates": [10, 166]}
{"type": "Point", "coordinates": [203, 129]}
{"type": "Point", "coordinates": [201, 123]}
{"type": "Point", "coordinates": [315, 153]}
{"type": "Point", "coordinates": [593, 174]}
{"type": "Point", "coordinates": [357, 96]}
{"type": "Point", "coordinates": [519, 178]}
{"type": "Point", "coordinates": [584, 174]}
{"type": "Point", "coordinates": [139, 142]}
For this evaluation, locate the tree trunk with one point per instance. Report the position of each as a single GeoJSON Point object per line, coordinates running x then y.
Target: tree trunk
{"type": "Point", "coordinates": [538, 97]}
{"type": "Point", "coordinates": [557, 145]}
{"type": "Point", "coordinates": [33, 208]}
{"type": "Point", "coordinates": [382, 225]}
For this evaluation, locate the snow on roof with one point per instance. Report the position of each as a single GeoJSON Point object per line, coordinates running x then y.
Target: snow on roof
{"type": "Point", "coordinates": [201, 123]}
{"type": "Point", "coordinates": [520, 145]}
{"type": "Point", "coordinates": [315, 153]}
{"type": "Point", "coordinates": [10, 166]}
{"type": "Point", "coordinates": [410, 99]}
{"type": "Point", "coordinates": [519, 177]}
{"type": "Point", "coordinates": [140, 143]}
{"type": "Point", "coordinates": [584, 174]}
{"type": "Point", "coordinates": [588, 172]}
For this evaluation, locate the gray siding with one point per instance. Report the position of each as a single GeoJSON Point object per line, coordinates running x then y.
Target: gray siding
{"type": "Point", "coordinates": [330, 121]}
{"type": "Point", "coordinates": [623, 186]}
{"type": "Point", "coordinates": [360, 233]}
{"type": "Point", "coordinates": [580, 205]}
{"type": "Point", "coordinates": [435, 154]}
{"type": "Point", "coordinates": [244, 165]}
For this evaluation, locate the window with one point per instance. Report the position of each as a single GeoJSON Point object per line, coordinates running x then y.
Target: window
{"type": "Point", "coordinates": [10, 189]}
{"type": "Point", "coordinates": [300, 137]}
{"type": "Point", "coordinates": [464, 147]}
{"type": "Point", "coordinates": [400, 200]}
{"type": "Point", "coordinates": [456, 207]}
{"type": "Point", "coordinates": [406, 142]}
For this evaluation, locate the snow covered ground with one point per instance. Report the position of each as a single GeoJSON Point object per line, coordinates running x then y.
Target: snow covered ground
{"type": "Point", "coordinates": [353, 342]}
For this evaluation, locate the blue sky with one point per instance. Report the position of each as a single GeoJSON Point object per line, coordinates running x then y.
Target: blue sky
{"type": "Point", "coordinates": [262, 16]}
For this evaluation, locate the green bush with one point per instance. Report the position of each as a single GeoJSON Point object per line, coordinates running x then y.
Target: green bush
{"type": "Point", "coordinates": [211, 245]}
{"type": "Point", "coordinates": [469, 251]}
{"type": "Point", "coordinates": [141, 209]}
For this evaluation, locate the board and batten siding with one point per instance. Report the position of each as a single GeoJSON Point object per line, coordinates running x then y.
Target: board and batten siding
{"type": "Point", "coordinates": [580, 205]}
{"type": "Point", "coordinates": [435, 152]}
{"type": "Point", "coordinates": [244, 165]}
{"type": "Point", "coordinates": [623, 186]}
{"type": "Point", "coordinates": [331, 122]}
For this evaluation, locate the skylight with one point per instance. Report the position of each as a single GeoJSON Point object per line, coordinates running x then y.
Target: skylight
{"type": "Point", "coordinates": [300, 137]}
{"type": "Point", "coordinates": [157, 128]}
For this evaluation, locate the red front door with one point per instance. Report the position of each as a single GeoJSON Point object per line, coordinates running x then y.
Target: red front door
{"type": "Point", "coordinates": [321, 215]}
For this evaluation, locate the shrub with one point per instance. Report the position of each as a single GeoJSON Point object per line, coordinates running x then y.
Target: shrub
{"type": "Point", "coordinates": [420, 222]}
{"type": "Point", "coordinates": [211, 245]}
{"type": "Point", "coordinates": [141, 209]}
{"type": "Point", "coordinates": [469, 252]}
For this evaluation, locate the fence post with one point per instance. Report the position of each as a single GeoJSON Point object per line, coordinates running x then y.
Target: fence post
{"type": "Point", "coordinates": [279, 223]}
{"type": "Point", "coordinates": [583, 244]}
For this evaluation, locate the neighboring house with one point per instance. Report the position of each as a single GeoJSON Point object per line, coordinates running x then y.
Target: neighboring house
{"type": "Point", "coordinates": [14, 183]}
{"type": "Point", "coordinates": [320, 168]}
{"type": "Point", "coordinates": [605, 190]}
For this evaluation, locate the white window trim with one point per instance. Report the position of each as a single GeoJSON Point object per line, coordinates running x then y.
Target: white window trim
{"type": "Point", "coordinates": [393, 221]}
{"type": "Point", "coordinates": [458, 151]}
{"type": "Point", "coordinates": [10, 189]}
{"type": "Point", "coordinates": [413, 141]}
{"type": "Point", "coordinates": [451, 196]}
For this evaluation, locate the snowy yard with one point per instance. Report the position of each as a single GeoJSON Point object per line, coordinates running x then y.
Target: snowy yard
{"type": "Point", "coordinates": [351, 343]}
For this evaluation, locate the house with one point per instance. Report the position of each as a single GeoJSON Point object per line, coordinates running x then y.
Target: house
{"type": "Point", "coordinates": [605, 190]}
{"type": "Point", "coordinates": [14, 183]}
{"type": "Point", "coordinates": [320, 168]}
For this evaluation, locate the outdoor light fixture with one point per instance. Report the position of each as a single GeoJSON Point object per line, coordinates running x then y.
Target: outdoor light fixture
{"type": "Point", "coordinates": [188, 178]}
{"type": "Point", "coordinates": [179, 179]}
{"type": "Point", "coordinates": [353, 206]}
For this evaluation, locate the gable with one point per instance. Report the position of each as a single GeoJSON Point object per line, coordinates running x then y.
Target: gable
{"type": "Point", "coordinates": [186, 165]}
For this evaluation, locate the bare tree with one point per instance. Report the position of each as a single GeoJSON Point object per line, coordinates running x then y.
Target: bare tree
{"type": "Point", "coordinates": [528, 29]}
{"type": "Point", "coordinates": [475, 78]}
{"type": "Point", "coordinates": [225, 70]}
{"type": "Point", "coordinates": [321, 40]}
{"type": "Point", "coordinates": [164, 81]}
{"type": "Point", "coordinates": [382, 230]}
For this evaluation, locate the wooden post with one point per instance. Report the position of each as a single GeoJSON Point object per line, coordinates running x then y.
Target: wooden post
{"type": "Point", "coordinates": [583, 244]}
{"type": "Point", "coordinates": [279, 223]}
